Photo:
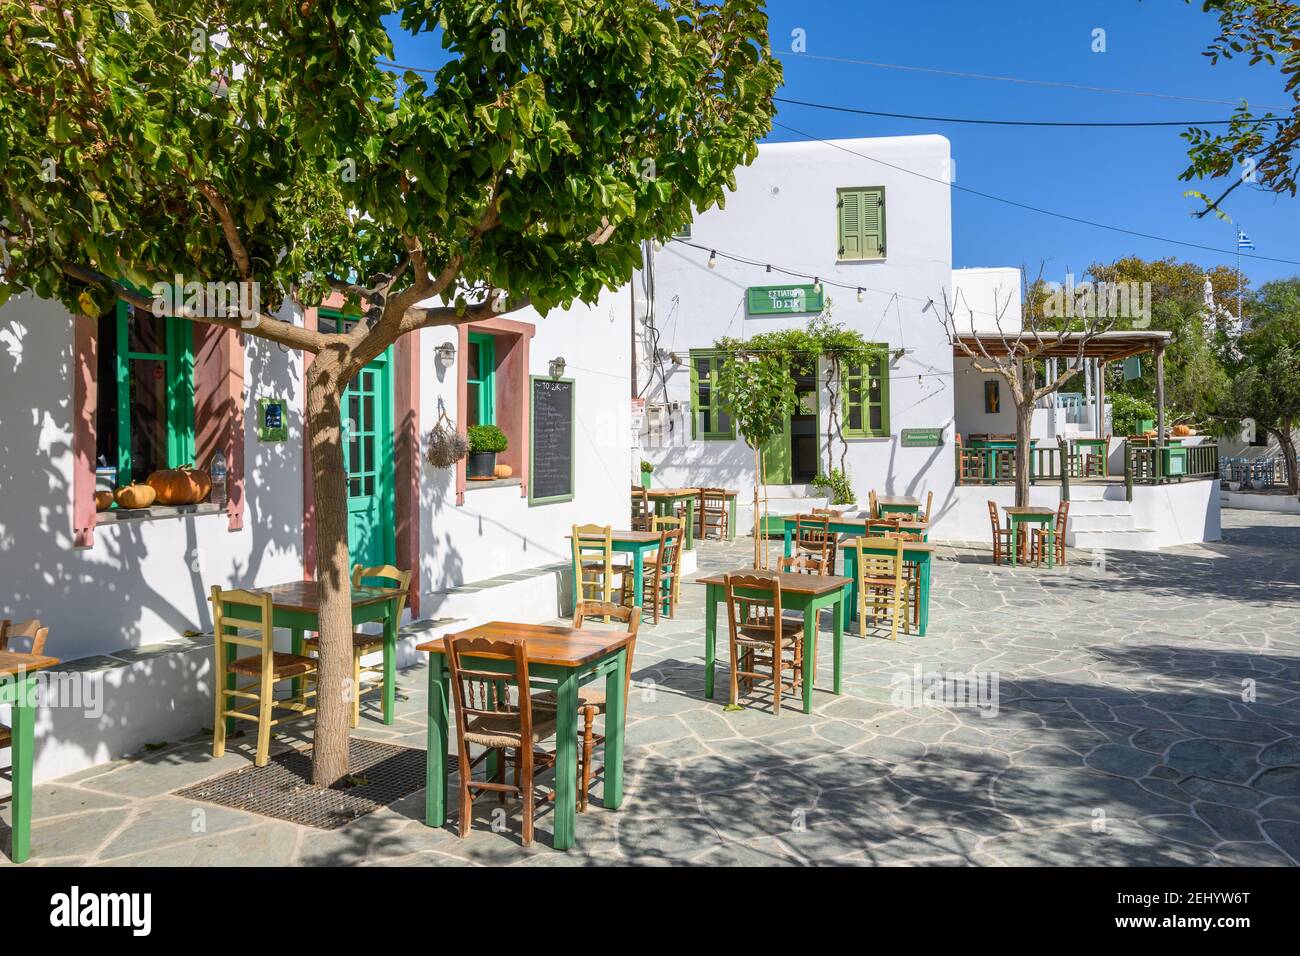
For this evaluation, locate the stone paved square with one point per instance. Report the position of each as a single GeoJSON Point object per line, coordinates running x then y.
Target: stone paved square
{"type": "Point", "coordinates": [1147, 712]}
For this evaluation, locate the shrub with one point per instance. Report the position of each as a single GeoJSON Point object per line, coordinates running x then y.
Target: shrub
{"type": "Point", "coordinates": [486, 438]}
{"type": "Point", "coordinates": [646, 466]}
{"type": "Point", "coordinates": [839, 486]}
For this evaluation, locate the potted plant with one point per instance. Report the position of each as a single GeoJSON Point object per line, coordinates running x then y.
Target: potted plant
{"type": "Point", "coordinates": [485, 441]}
{"type": "Point", "coordinates": [647, 470]}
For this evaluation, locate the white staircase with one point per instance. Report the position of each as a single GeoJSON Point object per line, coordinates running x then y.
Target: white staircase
{"type": "Point", "coordinates": [1102, 519]}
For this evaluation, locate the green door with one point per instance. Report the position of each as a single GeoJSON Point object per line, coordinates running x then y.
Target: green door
{"type": "Point", "coordinates": [368, 461]}
{"type": "Point", "coordinates": [776, 456]}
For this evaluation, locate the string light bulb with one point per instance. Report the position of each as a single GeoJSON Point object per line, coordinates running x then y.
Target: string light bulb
{"type": "Point", "coordinates": [861, 294]}
{"type": "Point", "coordinates": [817, 284]}
{"type": "Point", "coordinates": [658, 246]}
{"type": "Point", "coordinates": [713, 259]}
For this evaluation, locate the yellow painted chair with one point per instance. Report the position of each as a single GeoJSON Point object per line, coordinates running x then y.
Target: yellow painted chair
{"type": "Point", "coordinates": [882, 583]}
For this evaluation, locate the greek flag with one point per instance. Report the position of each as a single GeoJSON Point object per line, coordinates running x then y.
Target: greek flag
{"type": "Point", "coordinates": [1243, 242]}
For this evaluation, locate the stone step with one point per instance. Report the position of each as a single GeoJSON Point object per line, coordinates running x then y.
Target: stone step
{"type": "Point", "coordinates": [1131, 539]}
{"type": "Point", "coordinates": [1116, 521]}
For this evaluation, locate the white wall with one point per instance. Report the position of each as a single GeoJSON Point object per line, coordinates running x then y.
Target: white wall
{"type": "Point", "coordinates": [783, 211]}
{"type": "Point", "coordinates": [968, 391]}
{"type": "Point", "coordinates": [986, 299]}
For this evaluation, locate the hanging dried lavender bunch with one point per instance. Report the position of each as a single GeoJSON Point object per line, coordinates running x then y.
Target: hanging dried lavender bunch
{"type": "Point", "coordinates": [446, 446]}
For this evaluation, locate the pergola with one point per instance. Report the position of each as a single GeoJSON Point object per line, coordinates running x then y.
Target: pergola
{"type": "Point", "coordinates": [1103, 346]}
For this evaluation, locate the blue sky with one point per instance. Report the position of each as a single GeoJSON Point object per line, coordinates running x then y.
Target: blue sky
{"type": "Point", "coordinates": [1122, 177]}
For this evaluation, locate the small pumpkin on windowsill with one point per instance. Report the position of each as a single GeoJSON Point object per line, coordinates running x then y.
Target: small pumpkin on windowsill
{"type": "Point", "coordinates": [185, 485]}
{"type": "Point", "coordinates": [135, 496]}
{"type": "Point", "coordinates": [103, 500]}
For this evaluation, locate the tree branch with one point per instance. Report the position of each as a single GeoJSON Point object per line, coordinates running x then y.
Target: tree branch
{"type": "Point", "coordinates": [228, 229]}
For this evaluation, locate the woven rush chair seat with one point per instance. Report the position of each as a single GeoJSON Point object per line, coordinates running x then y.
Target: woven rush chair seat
{"type": "Point", "coordinates": [282, 665]}
{"type": "Point", "coordinates": [791, 631]}
{"type": "Point", "coordinates": [587, 697]}
{"type": "Point", "coordinates": [494, 731]}
{"type": "Point", "coordinates": [360, 642]}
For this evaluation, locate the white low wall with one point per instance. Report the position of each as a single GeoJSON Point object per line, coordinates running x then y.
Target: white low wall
{"type": "Point", "coordinates": [1285, 504]}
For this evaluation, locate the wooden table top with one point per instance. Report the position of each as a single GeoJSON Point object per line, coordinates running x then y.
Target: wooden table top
{"type": "Point", "coordinates": [13, 662]}
{"type": "Point", "coordinates": [1030, 511]}
{"type": "Point", "coordinates": [927, 546]}
{"type": "Point", "coordinates": [898, 500]}
{"type": "Point", "coordinates": [547, 643]}
{"type": "Point", "coordinates": [305, 595]}
{"type": "Point", "coordinates": [628, 537]}
{"type": "Point", "coordinates": [678, 492]}
{"type": "Point", "coordinates": [813, 584]}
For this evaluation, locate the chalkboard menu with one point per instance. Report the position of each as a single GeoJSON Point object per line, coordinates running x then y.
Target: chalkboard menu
{"type": "Point", "coordinates": [550, 474]}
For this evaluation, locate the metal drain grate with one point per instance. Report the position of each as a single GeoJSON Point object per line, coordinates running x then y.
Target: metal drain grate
{"type": "Point", "coordinates": [379, 775]}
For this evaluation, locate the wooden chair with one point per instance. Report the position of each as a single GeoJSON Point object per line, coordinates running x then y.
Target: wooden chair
{"type": "Point", "coordinates": [813, 536]}
{"type": "Point", "coordinates": [714, 515]}
{"type": "Point", "coordinates": [804, 563]}
{"type": "Point", "coordinates": [642, 514]}
{"type": "Point", "coordinates": [1040, 540]}
{"type": "Point", "coordinates": [31, 630]}
{"type": "Point", "coordinates": [370, 678]}
{"type": "Point", "coordinates": [266, 668]}
{"type": "Point", "coordinates": [487, 717]}
{"type": "Point", "coordinates": [595, 565]}
{"type": "Point", "coordinates": [883, 584]}
{"type": "Point", "coordinates": [1002, 543]}
{"type": "Point", "coordinates": [929, 507]}
{"type": "Point", "coordinates": [668, 522]}
{"type": "Point", "coordinates": [591, 698]}
{"type": "Point", "coordinates": [873, 506]}
{"type": "Point", "coordinates": [761, 634]}
{"type": "Point", "coordinates": [661, 576]}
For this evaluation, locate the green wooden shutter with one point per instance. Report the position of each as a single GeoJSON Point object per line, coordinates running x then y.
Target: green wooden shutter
{"type": "Point", "coordinates": [873, 223]}
{"type": "Point", "coordinates": [695, 398]}
{"type": "Point", "coordinates": [850, 224]}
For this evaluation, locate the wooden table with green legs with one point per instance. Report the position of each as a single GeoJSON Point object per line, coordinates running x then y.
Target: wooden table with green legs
{"type": "Point", "coordinates": [295, 605]}
{"type": "Point", "coordinates": [844, 524]}
{"type": "Point", "coordinates": [898, 504]}
{"type": "Point", "coordinates": [559, 659]}
{"type": "Point", "coordinates": [806, 593]}
{"type": "Point", "coordinates": [636, 543]}
{"type": "Point", "coordinates": [665, 498]}
{"type": "Point", "coordinates": [919, 553]}
{"type": "Point", "coordinates": [18, 688]}
{"type": "Point", "coordinates": [1016, 517]}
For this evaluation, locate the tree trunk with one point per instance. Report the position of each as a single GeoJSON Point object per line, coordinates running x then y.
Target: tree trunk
{"type": "Point", "coordinates": [1024, 424]}
{"type": "Point", "coordinates": [334, 688]}
{"type": "Point", "coordinates": [1283, 436]}
{"type": "Point", "coordinates": [758, 519]}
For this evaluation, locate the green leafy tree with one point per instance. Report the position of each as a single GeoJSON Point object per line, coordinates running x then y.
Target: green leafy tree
{"type": "Point", "coordinates": [261, 142]}
{"type": "Point", "coordinates": [1262, 150]}
{"type": "Point", "coordinates": [1266, 377]}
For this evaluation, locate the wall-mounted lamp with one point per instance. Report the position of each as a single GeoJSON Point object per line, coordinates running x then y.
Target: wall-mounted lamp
{"type": "Point", "coordinates": [557, 366]}
{"type": "Point", "coordinates": [446, 353]}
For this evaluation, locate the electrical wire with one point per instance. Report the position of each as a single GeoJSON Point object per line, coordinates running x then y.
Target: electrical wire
{"type": "Point", "coordinates": [1002, 122]}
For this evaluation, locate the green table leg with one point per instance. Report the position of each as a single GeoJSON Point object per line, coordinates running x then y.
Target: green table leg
{"type": "Point", "coordinates": [566, 758]}
{"type": "Point", "coordinates": [1015, 539]}
{"type": "Point", "coordinates": [23, 744]}
{"type": "Point", "coordinates": [638, 577]}
{"type": "Point", "coordinates": [615, 724]}
{"type": "Point", "coordinates": [809, 654]}
{"type": "Point", "coordinates": [925, 594]}
{"type": "Point", "coordinates": [789, 539]}
{"type": "Point", "coordinates": [295, 644]}
{"type": "Point", "coordinates": [390, 662]}
{"type": "Point", "coordinates": [690, 523]}
{"type": "Point", "coordinates": [435, 768]}
{"type": "Point", "coordinates": [731, 519]}
{"type": "Point", "coordinates": [710, 635]}
{"type": "Point", "coordinates": [837, 613]}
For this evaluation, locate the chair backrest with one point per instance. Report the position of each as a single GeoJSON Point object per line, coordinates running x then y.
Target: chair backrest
{"type": "Point", "coordinates": [993, 517]}
{"type": "Point", "coordinates": [828, 512]}
{"type": "Point", "coordinates": [384, 576]}
{"type": "Point", "coordinates": [670, 551]}
{"type": "Point", "coordinates": [804, 563]}
{"type": "Point", "coordinates": [929, 505]}
{"type": "Point", "coordinates": [624, 614]}
{"type": "Point", "coordinates": [32, 629]}
{"type": "Point", "coordinates": [884, 524]}
{"type": "Point", "coordinates": [1062, 519]}
{"type": "Point", "coordinates": [640, 502]}
{"type": "Point", "coordinates": [486, 693]}
{"type": "Point", "coordinates": [812, 533]}
{"type": "Point", "coordinates": [594, 539]}
{"type": "Point", "coordinates": [713, 499]}
{"type": "Point", "coordinates": [877, 565]}
{"type": "Point", "coordinates": [874, 510]}
{"type": "Point", "coordinates": [758, 610]}
{"type": "Point", "coordinates": [257, 632]}
{"type": "Point", "coordinates": [667, 523]}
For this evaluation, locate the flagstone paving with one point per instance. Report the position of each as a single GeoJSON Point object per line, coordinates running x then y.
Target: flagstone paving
{"type": "Point", "coordinates": [1146, 710]}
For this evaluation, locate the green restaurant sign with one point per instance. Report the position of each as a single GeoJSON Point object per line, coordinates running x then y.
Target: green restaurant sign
{"type": "Point", "coordinates": [922, 437]}
{"type": "Point", "coordinates": [784, 299]}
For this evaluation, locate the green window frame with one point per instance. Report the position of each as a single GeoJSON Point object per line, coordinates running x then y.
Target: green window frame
{"type": "Point", "coordinates": [860, 223]}
{"type": "Point", "coordinates": [484, 376]}
{"type": "Point", "coordinates": [708, 421]}
{"type": "Point", "coordinates": [864, 395]}
{"type": "Point", "coordinates": [178, 366]}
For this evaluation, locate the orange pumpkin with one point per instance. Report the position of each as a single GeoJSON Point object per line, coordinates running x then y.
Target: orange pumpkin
{"type": "Point", "coordinates": [135, 496]}
{"type": "Point", "coordinates": [180, 486]}
{"type": "Point", "coordinates": [503, 471]}
{"type": "Point", "coordinates": [103, 500]}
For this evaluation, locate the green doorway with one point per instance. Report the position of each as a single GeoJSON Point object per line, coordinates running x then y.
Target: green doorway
{"type": "Point", "coordinates": [791, 455]}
